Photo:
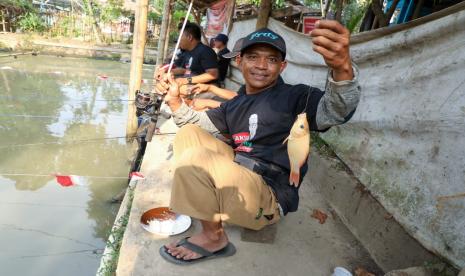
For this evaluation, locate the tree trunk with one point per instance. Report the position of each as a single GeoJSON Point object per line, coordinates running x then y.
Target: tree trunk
{"type": "Point", "coordinates": [367, 21]}
{"type": "Point", "coordinates": [383, 19]}
{"type": "Point", "coordinates": [263, 14]}
{"type": "Point", "coordinates": [137, 59]}
{"type": "Point", "coordinates": [417, 11]}
{"type": "Point", "coordinates": [339, 8]}
{"type": "Point", "coordinates": [95, 27]}
{"type": "Point", "coordinates": [163, 33]}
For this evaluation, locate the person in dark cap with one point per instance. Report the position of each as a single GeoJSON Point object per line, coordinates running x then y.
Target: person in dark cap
{"type": "Point", "coordinates": [249, 184]}
{"type": "Point", "coordinates": [220, 43]}
{"type": "Point", "coordinates": [236, 51]}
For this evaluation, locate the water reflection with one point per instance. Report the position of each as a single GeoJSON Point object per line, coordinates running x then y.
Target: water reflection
{"type": "Point", "coordinates": [63, 114]}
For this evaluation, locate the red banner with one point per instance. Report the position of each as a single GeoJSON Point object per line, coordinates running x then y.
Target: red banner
{"type": "Point", "coordinates": [309, 23]}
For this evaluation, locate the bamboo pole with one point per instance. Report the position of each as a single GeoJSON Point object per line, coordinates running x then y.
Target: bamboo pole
{"type": "Point", "coordinates": [263, 14]}
{"type": "Point", "coordinates": [137, 59]}
{"type": "Point", "coordinates": [231, 16]}
{"type": "Point", "coordinates": [164, 26]}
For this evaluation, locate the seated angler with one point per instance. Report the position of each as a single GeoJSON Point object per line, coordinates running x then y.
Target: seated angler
{"type": "Point", "coordinates": [253, 184]}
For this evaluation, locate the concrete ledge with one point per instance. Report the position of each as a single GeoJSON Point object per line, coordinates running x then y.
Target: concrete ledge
{"type": "Point", "coordinates": [302, 245]}
{"type": "Point", "coordinates": [386, 241]}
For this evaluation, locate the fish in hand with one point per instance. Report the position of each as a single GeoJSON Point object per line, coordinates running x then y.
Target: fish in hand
{"type": "Point", "coordinates": [298, 147]}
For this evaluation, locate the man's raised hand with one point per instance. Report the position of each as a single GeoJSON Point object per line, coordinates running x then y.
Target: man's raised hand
{"type": "Point", "coordinates": [331, 40]}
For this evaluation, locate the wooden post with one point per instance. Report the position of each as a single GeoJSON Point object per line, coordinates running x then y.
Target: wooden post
{"type": "Point", "coordinates": [231, 15]}
{"type": "Point", "coordinates": [137, 59]}
{"type": "Point", "coordinates": [168, 30]}
{"type": "Point", "coordinates": [327, 6]}
{"type": "Point", "coordinates": [164, 26]}
{"type": "Point", "coordinates": [3, 21]}
{"type": "Point", "coordinates": [263, 14]}
{"type": "Point", "coordinates": [322, 7]}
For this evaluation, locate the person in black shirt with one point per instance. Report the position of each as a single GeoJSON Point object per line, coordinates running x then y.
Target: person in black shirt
{"type": "Point", "coordinates": [248, 184]}
{"type": "Point", "coordinates": [220, 43]}
{"type": "Point", "coordinates": [199, 63]}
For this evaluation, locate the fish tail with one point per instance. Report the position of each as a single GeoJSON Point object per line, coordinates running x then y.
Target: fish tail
{"type": "Point", "coordinates": [294, 178]}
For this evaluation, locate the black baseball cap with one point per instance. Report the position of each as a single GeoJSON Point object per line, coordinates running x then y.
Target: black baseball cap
{"type": "Point", "coordinates": [223, 38]}
{"type": "Point", "coordinates": [265, 36]}
{"type": "Point", "coordinates": [236, 49]}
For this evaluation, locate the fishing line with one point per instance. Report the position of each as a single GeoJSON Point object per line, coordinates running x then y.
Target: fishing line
{"type": "Point", "coordinates": [28, 116]}
{"type": "Point", "coordinates": [308, 97]}
{"type": "Point", "coordinates": [48, 175]}
{"type": "Point", "coordinates": [38, 98]}
{"type": "Point", "coordinates": [45, 204]}
{"type": "Point", "coordinates": [52, 175]}
{"type": "Point", "coordinates": [33, 116]}
{"type": "Point", "coordinates": [82, 140]}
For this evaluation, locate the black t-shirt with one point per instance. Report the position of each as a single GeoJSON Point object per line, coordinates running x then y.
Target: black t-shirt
{"type": "Point", "coordinates": [197, 61]}
{"type": "Point", "coordinates": [179, 58]}
{"type": "Point", "coordinates": [223, 63]}
{"type": "Point", "coordinates": [260, 123]}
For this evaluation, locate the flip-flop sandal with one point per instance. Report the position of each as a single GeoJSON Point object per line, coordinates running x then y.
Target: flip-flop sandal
{"type": "Point", "coordinates": [226, 251]}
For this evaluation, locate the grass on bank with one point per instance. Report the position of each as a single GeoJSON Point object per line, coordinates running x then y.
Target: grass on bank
{"type": "Point", "coordinates": [116, 238]}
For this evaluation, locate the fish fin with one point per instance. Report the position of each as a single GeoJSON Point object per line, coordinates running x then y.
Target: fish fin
{"type": "Point", "coordinates": [294, 178]}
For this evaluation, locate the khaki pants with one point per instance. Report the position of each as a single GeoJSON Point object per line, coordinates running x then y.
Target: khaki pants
{"type": "Point", "coordinates": [210, 186]}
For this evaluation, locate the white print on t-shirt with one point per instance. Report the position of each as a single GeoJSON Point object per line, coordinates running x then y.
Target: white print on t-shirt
{"type": "Point", "coordinates": [189, 64]}
{"type": "Point", "coordinates": [188, 67]}
{"type": "Point", "coordinates": [178, 53]}
{"type": "Point", "coordinates": [253, 125]}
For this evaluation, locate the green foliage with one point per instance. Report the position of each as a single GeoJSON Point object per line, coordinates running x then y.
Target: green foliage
{"type": "Point", "coordinates": [112, 10]}
{"type": "Point", "coordinates": [353, 14]}
{"type": "Point", "coordinates": [277, 4]}
{"type": "Point", "coordinates": [313, 4]}
{"type": "Point", "coordinates": [155, 17]}
{"type": "Point", "coordinates": [116, 238]}
{"type": "Point", "coordinates": [25, 5]}
{"type": "Point", "coordinates": [31, 22]}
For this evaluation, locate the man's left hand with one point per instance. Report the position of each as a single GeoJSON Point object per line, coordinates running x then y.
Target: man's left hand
{"type": "Point", "coordinates": [331, 40]}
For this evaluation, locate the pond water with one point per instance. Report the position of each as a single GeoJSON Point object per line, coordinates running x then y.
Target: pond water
{"type": "Point", "coordinates": [63, 116]}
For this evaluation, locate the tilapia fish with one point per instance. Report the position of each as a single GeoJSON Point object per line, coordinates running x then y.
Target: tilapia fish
{"type": "Point", "coordinates": [298, 147]}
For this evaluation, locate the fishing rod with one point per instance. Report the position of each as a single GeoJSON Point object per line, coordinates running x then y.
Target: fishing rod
{"type": "Point", "coordinates": [158, 99]}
